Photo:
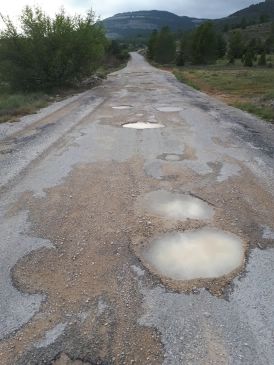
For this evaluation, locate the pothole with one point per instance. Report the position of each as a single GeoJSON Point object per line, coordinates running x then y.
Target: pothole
{"type": "Point", "coordinates": [143, 125]}
{"type": "Point", "coordinates": [192, 255]}
{"type": "Point", "coordinates": [168, 109]}
{"type": "Point", "coordinates": [177, 206]}
{"type": "Point", "coordinates": [172, 158]}
{"type": "Point", "coordinates": [122, 107]}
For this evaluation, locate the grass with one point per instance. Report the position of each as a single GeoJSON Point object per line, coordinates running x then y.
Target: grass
{"type": "Point", "coordinates": [250, 89]}
{"type": "Point", "coordinates": [12, 106]}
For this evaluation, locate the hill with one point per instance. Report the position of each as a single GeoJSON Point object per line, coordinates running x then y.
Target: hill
{"type": "Point", "coordinates": [142, 23]}
{"type": "Point", "coordinates": [254, 14]}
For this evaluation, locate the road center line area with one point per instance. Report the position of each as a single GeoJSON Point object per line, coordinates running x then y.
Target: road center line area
{"type": "Point", "coordinates": [147, 245]}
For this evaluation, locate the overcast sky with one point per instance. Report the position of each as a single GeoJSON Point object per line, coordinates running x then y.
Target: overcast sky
{"type": "Point", "coordinates": [106, 8]}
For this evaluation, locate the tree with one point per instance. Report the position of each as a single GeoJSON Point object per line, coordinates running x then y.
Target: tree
{"type": "Point", "coordinates": [184, 54]}
{"type": "Point", "coordinates": [262, 59]}
{"type": "Point", "coordinates": [152, 44]}
{"type": "Point", "coordinates": [269, 43]}
{"type": "Point", "coordinates": [204, 44]}
{"type": "Point", "coordinates": [248, 58]}
{"type": "Point", "coordinates": [226, 28]}
{"type": "Point", "coordinates": [264, 18]}
{"type": "Point", "coordinates": [44, 53]}
{"type": "Point", "coordinates": [243, 23]}
{"type": "Point", "coordinates": [235, 46]}
{"type": "Point", "coordinates": [221, 46]}
{"type": "Point", "coordinates": [165, 47]}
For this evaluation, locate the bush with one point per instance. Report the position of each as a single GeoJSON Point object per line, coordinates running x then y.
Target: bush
{"type": "Point", "coordinates": [49, 52]}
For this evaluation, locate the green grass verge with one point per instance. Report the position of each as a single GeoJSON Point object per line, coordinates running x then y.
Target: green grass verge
{"type": "Point", "coordinates": [250, 89]}
{"type": "Point", "coordinates": [13, 106]}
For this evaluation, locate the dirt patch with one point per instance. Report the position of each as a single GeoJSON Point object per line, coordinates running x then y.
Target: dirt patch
{"type": "Point", "coordinates": [90, 219]}
{"type": "Point", "coordinates": [63, 359]}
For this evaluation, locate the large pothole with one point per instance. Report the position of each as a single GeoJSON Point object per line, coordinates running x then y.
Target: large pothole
{"type": "Point", "coordinates": [143, 125]}
{"type": "Point", "coordinates": [176, 206]}
{"type": "Point", "coordinates": [192, 255]}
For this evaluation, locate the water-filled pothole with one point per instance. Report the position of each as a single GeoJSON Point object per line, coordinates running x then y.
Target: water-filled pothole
{"type": "Point", "coordinates": [168, 109]}
{"type": "Point", "coordinates": [177, 206]}
{"type": "Point", "coordinates": [122, 107]}
{"type": "Point", "coordinates": [192, 255]}
{"type": "Point", "coordinates": [143, 125]}
{"type": "Point", "coordinates": [172, 158]}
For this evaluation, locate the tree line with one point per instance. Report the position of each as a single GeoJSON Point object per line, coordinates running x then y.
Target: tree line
{"type": "Point", "coordinates": [43, 53]}
{"type": "Point", "coordinates": [205, 45]}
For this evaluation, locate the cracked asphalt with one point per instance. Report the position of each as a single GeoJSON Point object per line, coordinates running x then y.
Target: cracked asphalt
{"type": "Point", "coordinates": [75, 287]}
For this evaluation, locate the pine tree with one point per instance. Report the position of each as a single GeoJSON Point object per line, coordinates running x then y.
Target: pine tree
{"type": "Point", "coordinates": [152, 44]}
{"type": "Point", "coordinates": [165, 47]}
{"type": "Point", "coordinates": [221, 46]}
{"type": "Point", "coordinates": [235, 46]}
{"type": "Point", "coordinates": [204, 44]}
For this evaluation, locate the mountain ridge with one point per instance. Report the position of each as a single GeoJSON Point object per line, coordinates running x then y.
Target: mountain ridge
{"type": "Point", "coordinates": [141, 23]}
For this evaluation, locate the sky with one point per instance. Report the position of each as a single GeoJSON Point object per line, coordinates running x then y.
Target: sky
{"type": "Point", "coordinates": [104, 8]}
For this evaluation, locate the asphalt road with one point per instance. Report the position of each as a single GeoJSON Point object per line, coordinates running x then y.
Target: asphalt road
{"type": "Point", "coordinates": [75, 285]}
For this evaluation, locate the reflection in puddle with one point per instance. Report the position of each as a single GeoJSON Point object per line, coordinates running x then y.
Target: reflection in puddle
{"type": "Point", "coordinates": [200, 254]}
{"type": "Point", "coordinates": [168, 109]}
{"type": "Point", "coordinates": [122, 107]}
{"type": "Point", "coordinates": [143, 125]}
{"type": "Point", "coordinates": [172, 158]}
{"type": "Point", "coordinates": [177, 206]}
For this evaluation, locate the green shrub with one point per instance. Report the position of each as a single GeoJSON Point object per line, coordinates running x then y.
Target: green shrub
{"type": "Point", "coordinates": [44, 53]}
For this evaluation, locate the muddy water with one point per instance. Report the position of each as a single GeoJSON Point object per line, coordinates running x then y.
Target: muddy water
{"type": "Point", "coordinates": [200, 254]}
{"type": "Point", "coordinates": [177, 206]}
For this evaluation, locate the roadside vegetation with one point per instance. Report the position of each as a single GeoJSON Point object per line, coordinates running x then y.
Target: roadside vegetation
{"type": "Point", "coordinates": [45, 56]}
{"type": "Point", "coordinates": [227, 64]}
{"type": "Point", "coordinates": [249, 89]}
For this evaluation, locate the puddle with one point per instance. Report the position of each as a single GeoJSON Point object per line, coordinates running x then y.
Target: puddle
{"type": "Point", "coordinates": [200, 254]}
{"type": "Point", "coordinates": [168, 109]}
{"type": "Point", "coordinates": [177, 206]}
{"type": "Point", "coordinates": [143, 125]}
{"type": "Point", "coordinates": [172, 158]}
{"type": "Point", "coordinates": [122, 107]}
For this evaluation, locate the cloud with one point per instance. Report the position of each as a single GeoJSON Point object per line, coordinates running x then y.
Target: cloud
{"type": "Point", "coordinates": [105, 8]}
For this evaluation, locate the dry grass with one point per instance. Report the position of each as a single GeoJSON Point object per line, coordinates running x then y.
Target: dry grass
{"type": "Point", "coordinates": [250, 89]}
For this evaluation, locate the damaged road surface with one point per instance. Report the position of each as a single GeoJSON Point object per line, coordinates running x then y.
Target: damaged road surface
{"type": "Point", "coordinates": [137, 227]}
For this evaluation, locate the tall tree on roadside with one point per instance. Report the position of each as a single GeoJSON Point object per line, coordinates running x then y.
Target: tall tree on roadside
{"type": "Point", "coordinates": [152, 45]}
{"type": "Point", "coordinates": [204, 44]}
{"type": "Point", "coordinates": [184, 54]}
{"type": "Point", "coordinates": [165, 47]}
